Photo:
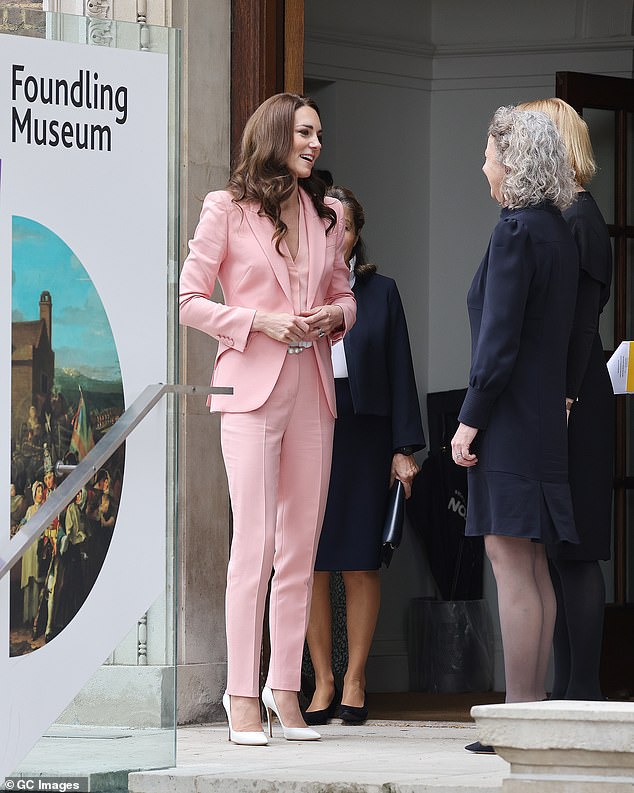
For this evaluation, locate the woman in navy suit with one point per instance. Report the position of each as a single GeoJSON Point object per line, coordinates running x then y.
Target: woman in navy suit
{"type": "Point", "coordinates": [512, 432]}
{"type": "Point", "coordinates": [378, 428]}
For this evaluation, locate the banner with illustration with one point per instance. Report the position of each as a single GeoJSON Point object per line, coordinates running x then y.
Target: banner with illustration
{"type": "Point", "coordinates": [84, 269]}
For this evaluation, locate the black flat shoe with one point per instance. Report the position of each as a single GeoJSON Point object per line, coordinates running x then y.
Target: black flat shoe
{"type": "Point", "coordinates": [479, 748]}
{"type": "Point", "coordinates": [351, 715]}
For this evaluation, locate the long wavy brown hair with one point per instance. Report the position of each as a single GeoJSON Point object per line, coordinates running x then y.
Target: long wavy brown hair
{"type": "Point", "coordinates": [261, 174]}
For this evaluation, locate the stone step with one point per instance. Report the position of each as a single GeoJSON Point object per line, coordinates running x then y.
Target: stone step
{"type": "Point", "coordinates": [378, 757]}
{"type": "Point", "coordinates": [562, 746]}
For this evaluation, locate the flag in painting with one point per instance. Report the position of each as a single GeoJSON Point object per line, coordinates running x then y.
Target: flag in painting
{"type": "Point", "coordinates": [81, 440]}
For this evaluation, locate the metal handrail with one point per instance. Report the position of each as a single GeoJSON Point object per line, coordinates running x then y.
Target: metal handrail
{"type": "Point", "coordinates": [79, 474]}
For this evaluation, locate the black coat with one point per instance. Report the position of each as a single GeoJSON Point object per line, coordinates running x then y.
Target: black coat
{"type": "Point", "coordinates": [378, 412]}
{"type": "Point", "coordinates": [591, 425]}
{"type": "Point", "coordinates": [379, 361]}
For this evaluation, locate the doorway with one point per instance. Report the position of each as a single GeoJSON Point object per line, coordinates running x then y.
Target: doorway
{"type": "Point", "coordinates": [607, 105]}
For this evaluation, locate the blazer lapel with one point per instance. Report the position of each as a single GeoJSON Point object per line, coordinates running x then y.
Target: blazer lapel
{"type": "Point", "coordinates": [262, 229]}
{"type": "Point", "coordinates": [316, 232]}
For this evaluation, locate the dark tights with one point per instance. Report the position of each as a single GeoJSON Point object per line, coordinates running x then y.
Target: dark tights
{"type": "Point", "coordinates": [580, 592]}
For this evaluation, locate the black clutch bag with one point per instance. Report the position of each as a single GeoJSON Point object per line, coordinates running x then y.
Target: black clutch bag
{"type": "Point", "coordinates": [393, 526]}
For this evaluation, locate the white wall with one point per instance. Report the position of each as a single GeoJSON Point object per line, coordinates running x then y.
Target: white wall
{"type": "Point", "coordinates": [406, 92]}
{"type": "Point", "coordinates": [374, 97]}
{"type": "Point", "coordinates": [508, 59]}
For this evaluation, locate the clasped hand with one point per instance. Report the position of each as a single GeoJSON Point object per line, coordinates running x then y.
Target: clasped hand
{"type": "Point", "coordinates": [307, 326]}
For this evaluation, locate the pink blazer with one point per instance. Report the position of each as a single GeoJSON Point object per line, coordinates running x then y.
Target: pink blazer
{"type": "Point", "coordinates": [234, 246]}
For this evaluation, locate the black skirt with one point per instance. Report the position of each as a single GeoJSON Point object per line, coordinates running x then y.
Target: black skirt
{"type": "Point", "coordinates": [359, 484]}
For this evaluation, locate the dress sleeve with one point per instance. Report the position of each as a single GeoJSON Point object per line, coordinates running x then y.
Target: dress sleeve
{"type": "Point", "coordinates": [511, 264]}
{"type": "Point", "coordinates": [584, 329]}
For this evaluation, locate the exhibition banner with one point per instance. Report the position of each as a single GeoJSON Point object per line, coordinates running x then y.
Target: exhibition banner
{"type": "Point", "coordinates": [83, 293]}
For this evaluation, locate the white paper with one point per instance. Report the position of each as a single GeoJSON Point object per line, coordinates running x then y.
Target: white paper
{"type": "Point", "coordinates": [621, 374]}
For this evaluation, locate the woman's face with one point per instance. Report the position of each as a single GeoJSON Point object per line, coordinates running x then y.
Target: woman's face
{"type": "Point", "coordinates": [306, 143]}
{"type": "Point", "coordinates": [493, 170]}
{"type": "Point", "coordinates": [350, 236]}
{"type": "Point", "coordinates": [38, 494]}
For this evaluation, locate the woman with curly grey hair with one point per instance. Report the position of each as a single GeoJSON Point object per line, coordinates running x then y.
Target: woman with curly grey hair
{"type": "Point", "coordinates": [512, 431]}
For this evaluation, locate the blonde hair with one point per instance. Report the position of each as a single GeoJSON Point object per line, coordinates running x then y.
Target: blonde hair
{"type": "Point", "coordinates": [534, 158]}
{"type": "Point", "coordinates": [574, 131]}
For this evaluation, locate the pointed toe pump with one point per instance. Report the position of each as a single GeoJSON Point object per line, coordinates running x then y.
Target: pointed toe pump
{"type": "Point", "coordinates": [352, 715]}
{"type": "Point", "coordinates": [313, 717]}
{"type": "Point", "coordinates": [480, 748]}
{"type": "Point", "coordinates": [290, 733]}
{"type": "Point", "coordinates": [242, 738]}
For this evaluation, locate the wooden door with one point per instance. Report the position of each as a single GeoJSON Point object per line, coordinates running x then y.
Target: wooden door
{"type": "Point", "coordinates": [267, 55]}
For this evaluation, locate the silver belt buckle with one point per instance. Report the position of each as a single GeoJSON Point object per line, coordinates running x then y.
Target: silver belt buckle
{"type": "Point", "coordinates": [298, 346]}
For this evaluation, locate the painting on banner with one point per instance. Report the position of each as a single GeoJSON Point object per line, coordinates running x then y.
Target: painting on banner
{"type": "Point", "coordinates": [66, 392]}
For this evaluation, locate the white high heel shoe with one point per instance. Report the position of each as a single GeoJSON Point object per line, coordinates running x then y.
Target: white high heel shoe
{"type": "Point", "coordinates": [290, 733]}
{"type": "Point", "coordinates": [242, 738]}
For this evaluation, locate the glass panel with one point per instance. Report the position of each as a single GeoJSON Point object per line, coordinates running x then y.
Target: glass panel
{"type": "Point", "coordinates": [601, 124]}
{"type": "Point", "coordinates": [629, 418]}
{"type": "Point", "coordinates": [629, 400]}
{"type": "Point", "coordinates": [607, 568]}
{"type": "Point", "coordinates": [630, 169]}
{"type": "Point", "coordinates": [606, 320]}
{"type": "Point", "coordinates": [629, 539]}
{"type": "Point", "coordinates": [124, 716]}
{"type": "Point", "coordinates": [123, 719]}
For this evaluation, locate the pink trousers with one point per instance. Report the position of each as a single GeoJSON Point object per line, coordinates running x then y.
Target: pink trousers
{"type": "Point", "coordinates": [278, 466]}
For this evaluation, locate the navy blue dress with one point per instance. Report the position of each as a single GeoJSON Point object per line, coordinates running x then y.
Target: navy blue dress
{"type": "Point", "coordinates": [591, 425]}
{"type": "Point", "coordinates": [521, 305]}
{"type": "Point", "coordinates": [377, 412]}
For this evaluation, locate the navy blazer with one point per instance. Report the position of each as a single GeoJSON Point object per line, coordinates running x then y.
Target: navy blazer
{"type": "Point", "coordinates": [379, 360]}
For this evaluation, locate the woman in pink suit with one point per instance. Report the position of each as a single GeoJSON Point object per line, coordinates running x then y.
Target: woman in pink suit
{"type": "Point", "coordinates": [274, 243]}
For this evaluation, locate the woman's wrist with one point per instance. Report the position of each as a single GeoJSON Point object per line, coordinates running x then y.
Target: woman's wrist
{"type": "Point", "coordinates": [259, 321]}
{"type": "Point", "coordinates": [339, 324]}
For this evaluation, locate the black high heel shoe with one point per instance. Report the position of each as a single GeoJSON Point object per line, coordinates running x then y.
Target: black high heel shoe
{"type": "Point", "coordinates": [351, 715]}
{"type": "Point", "coordinates": [322, 716]}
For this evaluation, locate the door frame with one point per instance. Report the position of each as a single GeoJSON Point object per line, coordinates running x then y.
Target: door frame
{"type": "Point", "coordinates": [267, 56]}
{"type": "Point", "coordinates": [616, 94]}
